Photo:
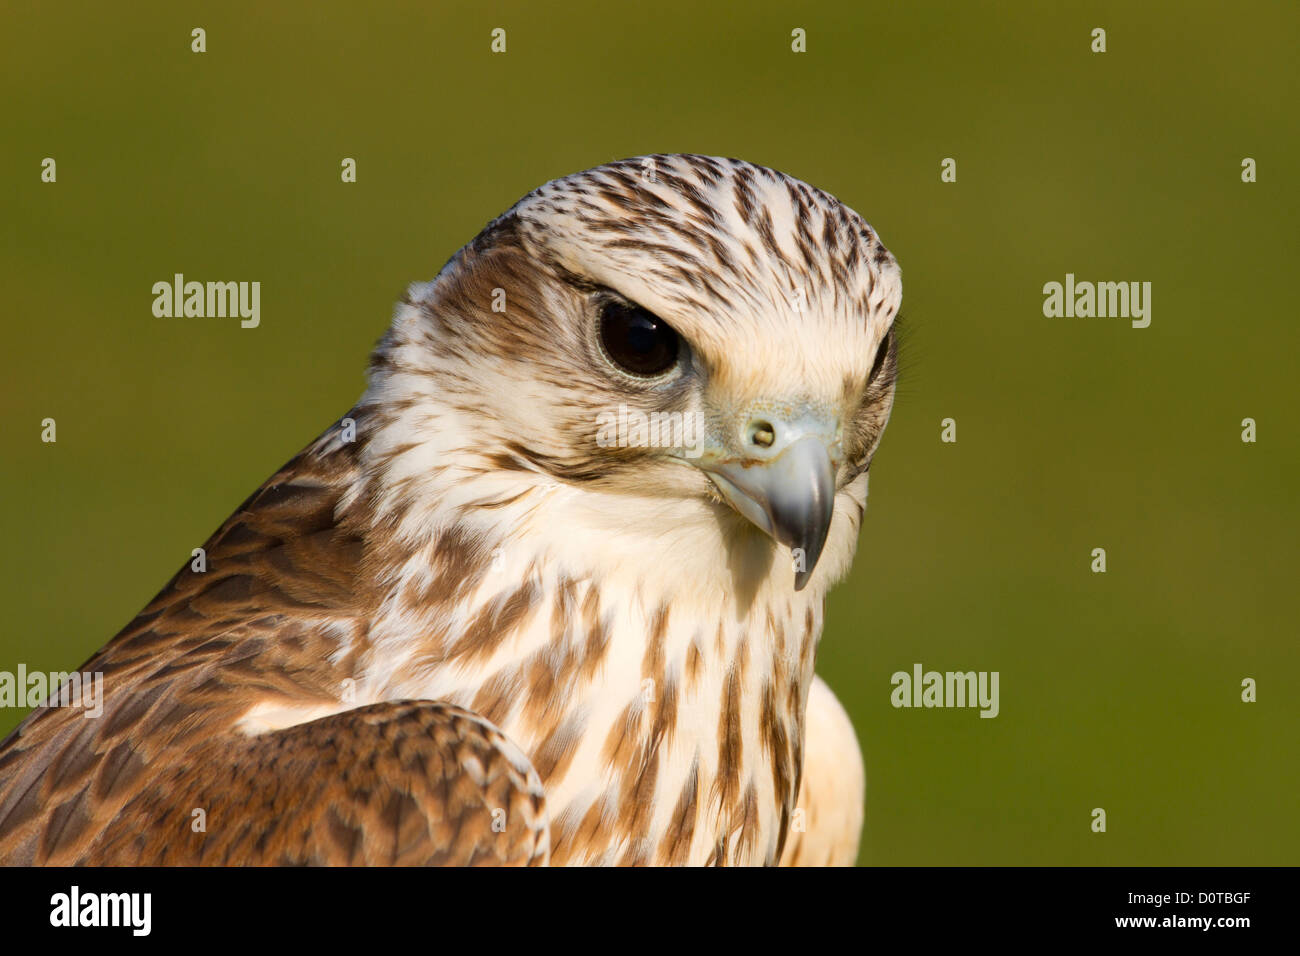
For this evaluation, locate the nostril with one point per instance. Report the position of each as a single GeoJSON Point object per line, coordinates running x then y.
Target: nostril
{"type": "Point", "coordinates": [761, 434]}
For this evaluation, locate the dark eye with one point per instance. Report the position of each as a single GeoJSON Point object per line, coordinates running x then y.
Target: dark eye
{"type": "Point", "coordinates": [637, 341]}
{"type": "Point", "coordinates": [882, 353]}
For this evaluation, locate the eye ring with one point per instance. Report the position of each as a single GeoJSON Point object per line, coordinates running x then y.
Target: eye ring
{"type": "Point", "coordinates": [638, 343]}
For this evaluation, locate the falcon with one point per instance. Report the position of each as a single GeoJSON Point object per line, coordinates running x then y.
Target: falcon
{"type": "Point", "coordinates": [465, 626]}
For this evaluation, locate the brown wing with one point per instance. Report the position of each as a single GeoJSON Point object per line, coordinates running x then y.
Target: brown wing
{"type": "Point", "coordinates": [279, 616]}
{"type": "Point", "coordinates": [398, 783]}
{"type": "Point", "coordinates": [210, 645]}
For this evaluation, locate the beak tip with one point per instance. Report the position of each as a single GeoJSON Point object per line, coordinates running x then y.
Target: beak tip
{"type": "Point", "coordinates": [810, 552]}
{"type": "Point", "coordinates": [790, 498]}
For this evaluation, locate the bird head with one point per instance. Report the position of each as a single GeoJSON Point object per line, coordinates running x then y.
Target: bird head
{"type": "Point", "coordinates": [675, 339]}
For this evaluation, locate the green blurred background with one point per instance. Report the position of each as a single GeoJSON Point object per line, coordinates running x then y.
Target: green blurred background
{"type": "Point", "coordinates": [1119, 691]}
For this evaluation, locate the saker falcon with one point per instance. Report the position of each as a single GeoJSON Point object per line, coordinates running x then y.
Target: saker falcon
{"type": "Point", "coordinates": [464, 626]}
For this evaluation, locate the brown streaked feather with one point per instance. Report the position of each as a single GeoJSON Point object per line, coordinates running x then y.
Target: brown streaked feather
{"type": "Point", "coordinates": [208, 647]}
{"type": "Point", "coordinates": [386, 783]}
{"type": "Point", "coordinates": [833, 789]}
{"type": "Point", "coordinates": [405, 783]}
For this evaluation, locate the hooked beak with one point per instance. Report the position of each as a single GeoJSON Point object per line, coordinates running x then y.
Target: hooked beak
{"type": "Point", "coordinates": [785, 487]}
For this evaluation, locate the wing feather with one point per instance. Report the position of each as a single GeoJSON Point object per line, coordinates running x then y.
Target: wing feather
{"type": "Point", "coordinates": [261, 626]}
{"type": "Point", "coordinates": [404, 783]}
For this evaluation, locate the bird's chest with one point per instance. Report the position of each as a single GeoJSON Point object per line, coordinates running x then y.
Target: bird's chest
{"type": "Point", "coordinates": [670, 777]}
{"type": "Point", "coordinates": [662, 734]}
